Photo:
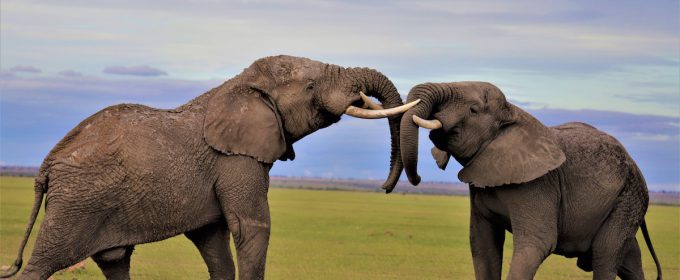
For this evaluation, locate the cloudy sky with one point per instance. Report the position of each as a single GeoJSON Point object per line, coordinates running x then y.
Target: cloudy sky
{"type": "Point", "coordinates": [613, 64]}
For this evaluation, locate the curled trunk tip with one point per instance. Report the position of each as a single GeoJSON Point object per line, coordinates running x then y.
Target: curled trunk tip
{"type": "Point", "coordinates": [379, 86]}
{"type": "Point", "coordinates": [409, 128]}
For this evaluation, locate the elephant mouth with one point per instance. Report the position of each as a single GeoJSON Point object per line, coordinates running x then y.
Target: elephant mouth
{"type": "Point", "coordinates": [372, 110]}
{"type": "Point", "coordinates": [358, 103]}
{"type": "Point", "coordinates": [444, 140]}
{"type": "Point", "coordinates": [454, 133]}
{"type": "Point", "coordinates": [440, 139]}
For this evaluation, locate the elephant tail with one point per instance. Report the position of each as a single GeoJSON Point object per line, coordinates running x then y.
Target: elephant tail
{"type": "Point", "coordinates": [645, 233]}
{"type": "Point", "coordinates": [40, 189]}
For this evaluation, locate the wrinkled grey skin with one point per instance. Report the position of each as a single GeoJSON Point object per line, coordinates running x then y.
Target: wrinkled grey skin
{"type": "Point", "coordinates": [132, 174]}
{"type": "Point", "coordinates": [570, 190]}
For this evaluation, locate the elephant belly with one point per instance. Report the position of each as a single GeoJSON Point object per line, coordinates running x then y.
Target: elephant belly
{"type": "Point", "coordinates": [573, 247]}
{"type": "Point", "coordinates": [126, 208]}
{"type": "Point", "coordinates": [581, 217]}
{"type": "Point", "coordinates": [132, 183]}
{"type": "Point", "coordinates": [166, 210]}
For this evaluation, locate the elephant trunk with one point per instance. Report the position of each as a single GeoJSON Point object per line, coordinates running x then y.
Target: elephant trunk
{"type": "Point", "coordinates": [430, 94]}
{"type": "Point", "coordinates": [379, 86]}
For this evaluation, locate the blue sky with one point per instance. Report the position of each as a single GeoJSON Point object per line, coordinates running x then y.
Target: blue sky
{"type": "Point", "coordinates": [613, 64]}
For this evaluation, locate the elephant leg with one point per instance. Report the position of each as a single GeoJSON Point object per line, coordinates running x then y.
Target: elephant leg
{"type": "Point", "coordinates": [525, 262]}
{"type": "Point", "coordinates": [486, 243]}
{"type": "Point", "coordinates": [534, 212]}
{"type": "Point", "coordinates": [610, 247]}
{"type": "Point", "coordinates": [631, 268]}
{"type": "Point", "coordinates": [608, 255]}
{"type": "Point", "coordinates": [212, 241]}
{"type": "Point", "coordinates": [114, 262]}
{"type": "Point", "coordinates": [532, 244]}
{"type": "Point", "coordinates": [243, 198]}
{"type": "Point", "coordinates": [613, 241]}
{"type": "Point", "coordinates": [61, 242]}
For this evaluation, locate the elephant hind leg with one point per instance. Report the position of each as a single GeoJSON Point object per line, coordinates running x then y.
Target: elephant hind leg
{"type": "Point", "coordinates": [59, 244]}
{"type": "Point", "coordinates": [611, 246]}
{"type": "Point", "coordinates": [114, 262]}
{"type": "Point", "coordinates": [73, 229]}
{"type": "Point", "coordinates": [631, 268]}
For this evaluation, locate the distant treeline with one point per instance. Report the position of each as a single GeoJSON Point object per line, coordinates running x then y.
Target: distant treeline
{"type": "Point", "coordinates": [21, 171]}
{"type": "Point", "coordinates": [403, 187]}
{"type": "Point", "coordinates": [440, 188]}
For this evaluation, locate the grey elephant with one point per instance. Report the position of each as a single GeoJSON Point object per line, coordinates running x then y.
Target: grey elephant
{"type": "Point", "coordinates": [132, 174]}
{"type": "Point", "coordinates": [570, 190]}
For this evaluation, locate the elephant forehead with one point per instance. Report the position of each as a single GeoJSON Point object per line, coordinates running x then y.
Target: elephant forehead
{"type": "Point", "coordinates": [480, 91]}
{"type": "Point", "coordinates": [286, 71]}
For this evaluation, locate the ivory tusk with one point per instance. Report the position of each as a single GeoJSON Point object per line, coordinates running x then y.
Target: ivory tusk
{"type": "Point", "coordinates": [379, 114]}
{"type": "Point", "coordinates": [429, 124]}
{"type": "Point", "coordinates": [368, 103]}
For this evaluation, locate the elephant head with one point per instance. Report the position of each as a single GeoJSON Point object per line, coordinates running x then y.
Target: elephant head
{"type": "Point", "coordinates": [279, 100]}
{"type": "Point", "coordinates": [496, 142]}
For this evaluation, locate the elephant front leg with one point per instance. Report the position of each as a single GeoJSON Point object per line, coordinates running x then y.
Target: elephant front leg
{"type": "Point", "coordinates": [212, 242]}
{"type": "Point", "coordinates": [486, 243]}
{"type": "Point", "coordinates": [525, 262]}
{"type": "Point", "coordinates": [531, 246]}
{"type": "Point", "coordinates": [244, 204]}
{"type": "Point", "coordinates": [251, 237]}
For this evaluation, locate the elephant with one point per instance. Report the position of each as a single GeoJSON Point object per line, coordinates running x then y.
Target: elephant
{"type": "Point", "coordinates": [569, 190]}
{"type": "Point", "coordinates": [132, 174]}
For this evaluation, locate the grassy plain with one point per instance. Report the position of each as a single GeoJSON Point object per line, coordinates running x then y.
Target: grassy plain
{"type": "Point", "coordinates": [342, 235]}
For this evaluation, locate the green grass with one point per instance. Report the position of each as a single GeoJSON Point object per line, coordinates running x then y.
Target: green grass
{"type": "Point", "coordinates": [343, 235]}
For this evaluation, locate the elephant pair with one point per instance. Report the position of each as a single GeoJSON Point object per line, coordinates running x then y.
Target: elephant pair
{"type": "Point", "coordinates": [132, 174]}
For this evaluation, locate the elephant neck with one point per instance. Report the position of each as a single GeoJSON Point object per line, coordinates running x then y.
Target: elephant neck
{"type": "Point", "coordinates": [199, 103]}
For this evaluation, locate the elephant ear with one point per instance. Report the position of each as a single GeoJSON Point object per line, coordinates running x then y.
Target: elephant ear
{"type": "Point", "coordinates": [523, 150]}
{"type": "Point", "coordinates": [441, 157]}
{"type": "Point", "coordinates": [245, 121]}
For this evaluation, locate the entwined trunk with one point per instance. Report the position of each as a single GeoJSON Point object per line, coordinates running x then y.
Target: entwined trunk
{"type": "Point", "coordinates": [379, 86]}
{"type": "Point", "coordinates": [429, 94]}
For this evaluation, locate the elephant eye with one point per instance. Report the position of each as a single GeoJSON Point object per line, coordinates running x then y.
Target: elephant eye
{"type": "Point", "coordinates": [310, 85]}
{"type": "Point", "coordinates": [474, 109]}
{"type": "Point", "coordinates": [505, 124]}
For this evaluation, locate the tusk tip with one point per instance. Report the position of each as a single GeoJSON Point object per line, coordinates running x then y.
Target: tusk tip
{"type": "Point", "coordinates": [429, 124]}
{"type": "Point", "coordinates": [368, 103]}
